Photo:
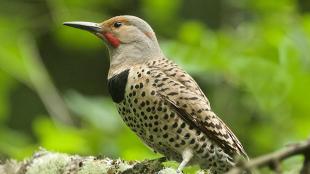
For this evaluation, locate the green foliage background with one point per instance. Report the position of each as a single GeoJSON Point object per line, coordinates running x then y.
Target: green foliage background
{"type": "Point", "coordinates": [251, 58]}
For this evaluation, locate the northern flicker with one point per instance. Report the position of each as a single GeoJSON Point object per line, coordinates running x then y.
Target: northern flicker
{"type": "Point", "coordinates": [159, 101]}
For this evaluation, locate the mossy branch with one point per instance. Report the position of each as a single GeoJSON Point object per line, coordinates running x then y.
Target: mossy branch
{"type": "Point", "coordinates": [58, 163]}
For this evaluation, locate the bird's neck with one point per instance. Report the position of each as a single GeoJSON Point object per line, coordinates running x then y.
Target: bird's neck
{"type": "Point", "coordinates": [128, 55]}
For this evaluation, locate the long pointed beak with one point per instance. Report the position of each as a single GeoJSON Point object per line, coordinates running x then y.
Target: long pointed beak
{"type": "Point", "coordinates": [88, 26]}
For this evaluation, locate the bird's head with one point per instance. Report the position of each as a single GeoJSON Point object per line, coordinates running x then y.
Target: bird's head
{"type": "Point", "coordinates": [126, 34]}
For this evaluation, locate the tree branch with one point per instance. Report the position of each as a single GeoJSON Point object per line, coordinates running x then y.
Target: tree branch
{"type": "Point", "coordinates": [306, 167]}
{"type": "Point", "coordinates": [57, 163]}
{"type": "Point", "coordinates": [273, 159]}
{"type": "Point", "coordinates": [50, 162]}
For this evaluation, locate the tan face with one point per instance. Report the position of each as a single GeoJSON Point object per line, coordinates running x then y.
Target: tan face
{"type": "Point", "coordinates": [113, 30]}
{"type": "Point", "coordinates": [120, 30]}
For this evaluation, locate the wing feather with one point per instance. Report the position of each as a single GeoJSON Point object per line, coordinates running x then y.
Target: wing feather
{"type": "Point", "coordinates": [190, 104]}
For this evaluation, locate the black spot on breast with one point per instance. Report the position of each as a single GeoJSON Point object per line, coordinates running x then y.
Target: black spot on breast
{"type": "Point", "coordinates": [117, 85]}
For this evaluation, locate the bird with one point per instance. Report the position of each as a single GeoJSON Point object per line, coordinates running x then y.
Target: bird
{"type": "Point", "coordinates": [160, 101]}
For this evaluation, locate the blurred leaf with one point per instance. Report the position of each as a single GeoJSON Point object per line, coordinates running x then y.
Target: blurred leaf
{"type": "Point", "coordinates": [161, 10]}
{"type": "Point", "coordinates": [132, 147]}
{"type": "Point", "coordinates": [10, 55]}
{"type": "Point", "coordinates": [78, 39]}
{"type": "Point", "coordinates": [60, 137]}
{"type": "Point", "coordinates": [99, 111]}
{"type": "Point", "coordinates": [191, 33]}
{"type": "Point", "coordinates": [162, 14]}
{"type": "Point", "coordinates": [7, 84]}
{"type": "Point", "coordinates": [14, 143]}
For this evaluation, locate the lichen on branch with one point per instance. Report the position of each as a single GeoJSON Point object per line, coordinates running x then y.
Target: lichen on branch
{"type": "Point", "coordinates": [59, 163]}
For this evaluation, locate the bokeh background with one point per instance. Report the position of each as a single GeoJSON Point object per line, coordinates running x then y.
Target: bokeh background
{"type": "Point", "coordinates": [251, 58]}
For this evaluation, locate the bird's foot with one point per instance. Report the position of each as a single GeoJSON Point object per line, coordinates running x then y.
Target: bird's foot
{"type": "Point", "coordinates": [179, 171]}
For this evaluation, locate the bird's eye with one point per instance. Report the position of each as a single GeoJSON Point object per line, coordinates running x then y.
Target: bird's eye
{"type": "Point", "coordinates": [117, 24]}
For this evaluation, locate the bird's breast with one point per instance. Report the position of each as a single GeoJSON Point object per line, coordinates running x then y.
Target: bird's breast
{"type": "Point", "coordinates": [117, 85]}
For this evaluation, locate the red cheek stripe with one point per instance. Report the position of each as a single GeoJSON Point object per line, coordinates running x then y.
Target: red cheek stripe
{"type": "Point", "coordinates": [114, 41]}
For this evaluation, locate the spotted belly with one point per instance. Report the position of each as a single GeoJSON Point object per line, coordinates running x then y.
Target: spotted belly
{"type": "Point", "coordinates": [161, 129]}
